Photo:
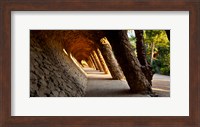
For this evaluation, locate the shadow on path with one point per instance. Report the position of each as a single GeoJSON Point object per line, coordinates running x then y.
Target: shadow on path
{"type": "Point", "coordinates": [102, 85]}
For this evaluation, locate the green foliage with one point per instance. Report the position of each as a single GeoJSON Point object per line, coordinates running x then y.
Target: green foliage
{"type": "Point", "coordinates": [156, 36]}
{"type": "Point", "coordinates": [161, 59]}
{"type": "Point", "coordinates": [132, 39]}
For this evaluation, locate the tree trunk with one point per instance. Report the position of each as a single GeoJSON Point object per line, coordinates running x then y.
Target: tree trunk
{"type": "Point", "coordinates": [110, 60]}
{"type": "Point", "coordinates": [152, 51]}
{"type": "Point", "coordinates": [141, 54]}
{"type": "Point", "coordinates": [128, 61]}
{"type": "Point", "coordinates": [168, 34]}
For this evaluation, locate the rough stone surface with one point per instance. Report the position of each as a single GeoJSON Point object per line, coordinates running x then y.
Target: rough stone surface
{"type": "Point", "coordinates": [110, 60]}
{"type": "Point", "coordinates": [52, 72]}
{"type": "Point", "coordinates": [128, 61]}
{"type": "Point", "coordinates": [105, 68]}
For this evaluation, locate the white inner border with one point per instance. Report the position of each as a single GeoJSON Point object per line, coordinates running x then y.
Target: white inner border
{"type": "Point", "coordinates": [175, 105]}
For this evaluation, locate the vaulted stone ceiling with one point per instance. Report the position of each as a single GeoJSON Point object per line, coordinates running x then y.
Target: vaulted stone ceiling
{"type": "Point", "coordinates": [81, 43]}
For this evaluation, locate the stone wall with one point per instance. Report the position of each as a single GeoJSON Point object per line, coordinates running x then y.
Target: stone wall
{"type": "Point", "coordinates": [52, 72]}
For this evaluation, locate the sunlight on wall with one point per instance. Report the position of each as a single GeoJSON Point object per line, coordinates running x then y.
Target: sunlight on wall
{"type": "Point", "coordinates": [84, 63]}
{"type": "Point", "coordinates": [77, 64]}
{"type": "Point", "coordinates": [65, 52]}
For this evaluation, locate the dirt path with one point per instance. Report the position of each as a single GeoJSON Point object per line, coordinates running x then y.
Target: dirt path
{"type": "Point", "coordinates": [102, 85]}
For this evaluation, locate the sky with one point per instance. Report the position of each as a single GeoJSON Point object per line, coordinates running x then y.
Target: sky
{"type": "Point", "coordinates": [131, 32]}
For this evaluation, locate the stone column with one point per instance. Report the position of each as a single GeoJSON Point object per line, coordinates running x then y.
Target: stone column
{"type": "Point", "coordinates": [102, 61]}
{"type": "Point", "coordinates": [111, 62]}
{"type": "Point", "coordinates": [98, 62]}
{"type": "Point", "coordinates": [95, 62]}
{"type": "Point", "coordinates": [128, 61]}
{"type": "Point", "coordinates": [93, 65]}
{"type": "Point", "coordinates": [89, 64]}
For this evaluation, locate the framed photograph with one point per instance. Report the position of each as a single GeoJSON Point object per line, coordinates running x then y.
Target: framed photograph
{"type": "Point", "coordinates": [94, 63]}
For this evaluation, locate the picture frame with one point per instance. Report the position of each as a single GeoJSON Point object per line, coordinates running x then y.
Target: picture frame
{"type": "Point", "coordinates": [7, 6]}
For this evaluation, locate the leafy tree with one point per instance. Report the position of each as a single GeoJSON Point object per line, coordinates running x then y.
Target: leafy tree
{"type": "Point", "coordinates": [132, 39]}
{"type": "Point", "coordinates": [157, 49]}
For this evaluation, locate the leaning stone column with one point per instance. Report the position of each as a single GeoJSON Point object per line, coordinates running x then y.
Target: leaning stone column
{"type": "Point", "coordinates": [102, 61]}
{"type": "Point", "coordinates": [98, 62]}
{"type": "Point", "coordinates": [95, 62]}
{"type": "Point", "coordinates": [128, 61]}
{"type": "Point", "coordinates": [93, 65]}
{"type": "Point", "coordinates": [114, 68]}
{"type": "Point", "coordinates": [89, 64]}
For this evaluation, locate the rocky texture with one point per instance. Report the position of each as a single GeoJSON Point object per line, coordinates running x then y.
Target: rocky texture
{"type": "Point", "coordinates": [110, 60]}
{"type": "Point", "coordinates": [104, 66]}
{"type": "Point", "coordinates": [98, 61]}
{"type": "Point", "coordinates": [128, 61]}
{"type": "Point", "coordinates": [52, 72]}
{"type": "Point", "coordinates": [95, 62]}
{"type": "Point", "coordinates": [92, 63]}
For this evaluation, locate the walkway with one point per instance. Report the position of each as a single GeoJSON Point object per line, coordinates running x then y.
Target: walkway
{"type": "Point", "coordinates": [161, 85]}
{"type": "Point", "coordinates": [102, 85]}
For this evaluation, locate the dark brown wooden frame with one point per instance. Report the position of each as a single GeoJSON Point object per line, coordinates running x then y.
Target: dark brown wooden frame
{"type": "Point", "coordinates": [6, 6]}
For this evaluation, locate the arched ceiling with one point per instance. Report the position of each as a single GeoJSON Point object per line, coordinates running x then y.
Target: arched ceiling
{"type": "Point", "coordinates": [80, 43]}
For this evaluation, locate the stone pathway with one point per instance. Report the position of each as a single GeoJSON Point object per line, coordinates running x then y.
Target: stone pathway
{"type": "Point", "coordinates": [161, 85]}
{"type": "Point", "coordinates": [102, 85]}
